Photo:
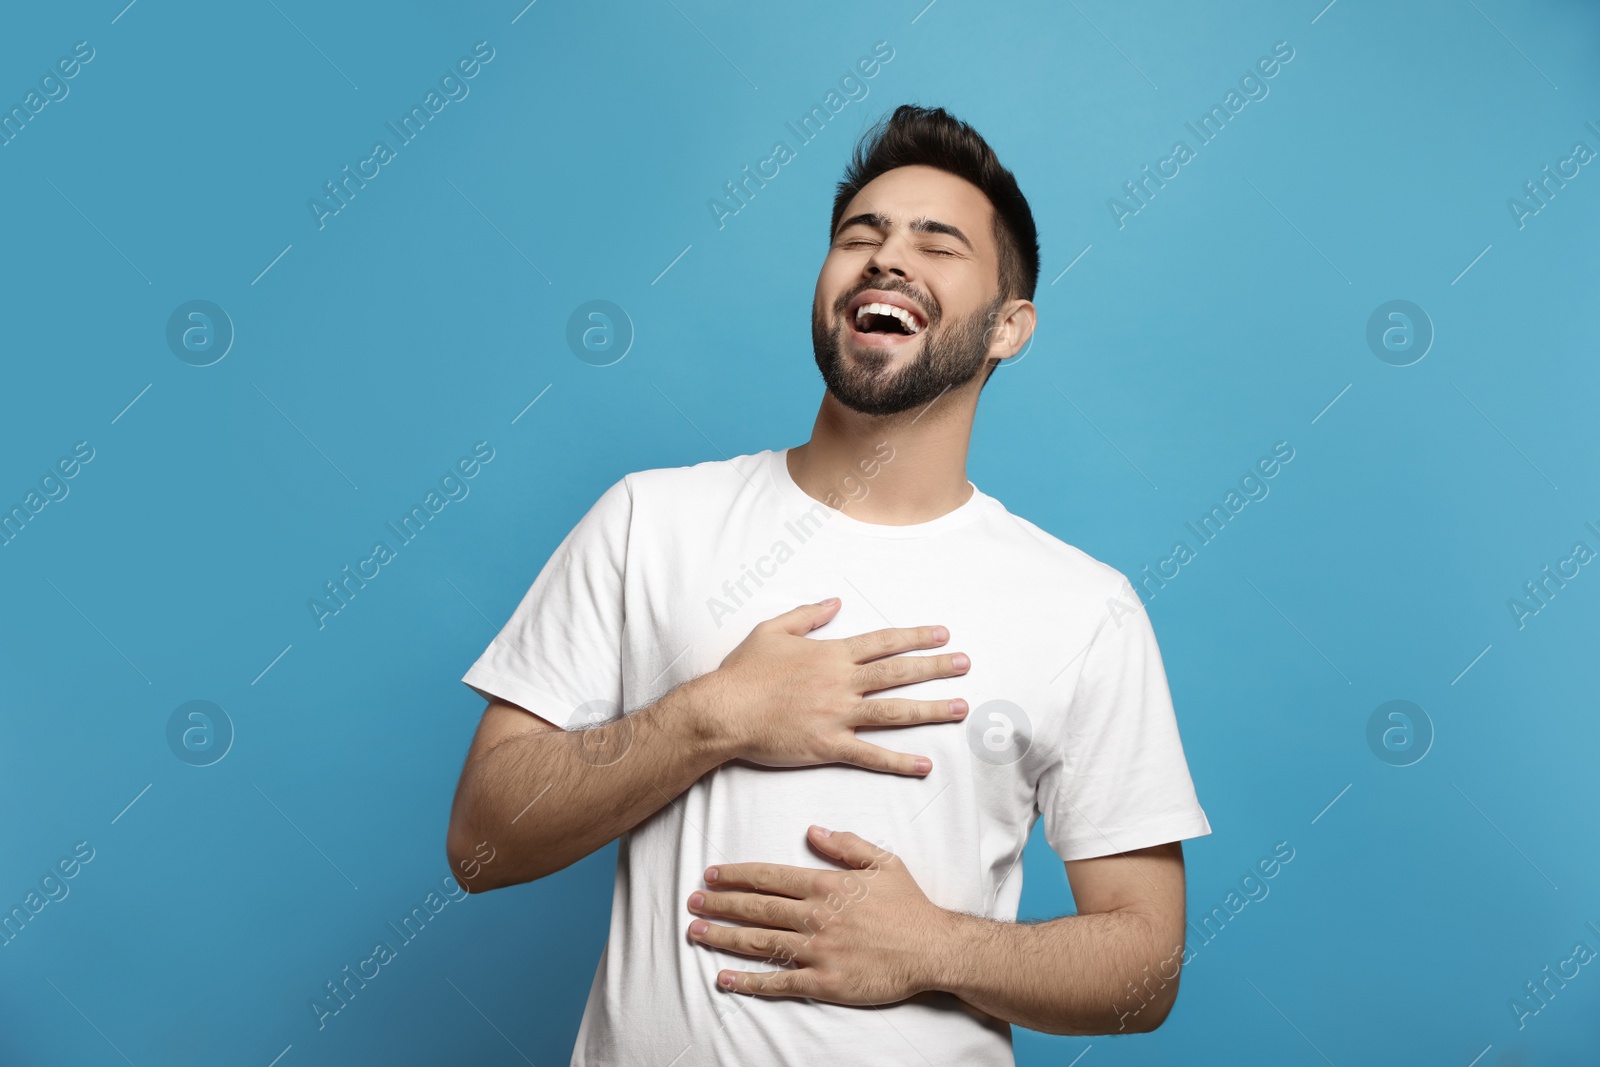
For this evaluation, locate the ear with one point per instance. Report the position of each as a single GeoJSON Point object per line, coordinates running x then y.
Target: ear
{"type": "Point", "coordinates": [1013, 325]}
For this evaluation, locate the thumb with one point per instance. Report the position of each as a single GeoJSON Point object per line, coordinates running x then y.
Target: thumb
{"type": "Point", "coordinates": [849, 849]}
{"type": "Point", "coordinates": [807, 617]}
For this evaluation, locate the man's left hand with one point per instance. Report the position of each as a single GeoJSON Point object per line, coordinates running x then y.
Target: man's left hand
{"type": "Point", "coordinates": [867, 935]}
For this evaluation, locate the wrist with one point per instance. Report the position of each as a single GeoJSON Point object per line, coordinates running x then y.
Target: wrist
{"type": "Point", "coordinates": [702, 708]}
{"type": "Point", "coordinates": [947, 962]}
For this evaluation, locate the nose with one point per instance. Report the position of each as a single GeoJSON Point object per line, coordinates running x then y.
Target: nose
{"type": "Point", "coordinates": [890, 257]}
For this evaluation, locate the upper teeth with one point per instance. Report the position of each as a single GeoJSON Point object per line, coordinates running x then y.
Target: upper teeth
{"type": "Point", "coordinates": [900, 313]}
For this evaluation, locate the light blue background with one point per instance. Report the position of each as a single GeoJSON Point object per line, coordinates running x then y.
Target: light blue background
{"type": "Point", "coordinates": [427, 315]}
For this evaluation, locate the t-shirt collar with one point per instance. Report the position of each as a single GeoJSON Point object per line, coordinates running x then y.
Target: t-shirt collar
{"type": "Point", "coordinates": [795, 497]}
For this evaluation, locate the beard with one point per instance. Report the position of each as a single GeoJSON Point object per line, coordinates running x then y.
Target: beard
{"type": "Point", "coordinates": [952, 355]}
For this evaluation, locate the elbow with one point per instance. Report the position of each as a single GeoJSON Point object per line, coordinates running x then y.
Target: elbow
{"type": "Point", "coordinates": [476, 862]}
{"type": "Point", "coordinates": [1134, 1017]}
{"type": "Point", "coordinates": [1158, 1015]}
{"type": "Point", "coordinates": [1163, 1007]}
{"type": "Point", "coordinates": [1148, 997]}
{"type": "Point", "coordinates": [471, 861]}
{"type": "Point", "coordinates": [1144, 1020]}
{"type": "Point", "coordinates": [458, 856]}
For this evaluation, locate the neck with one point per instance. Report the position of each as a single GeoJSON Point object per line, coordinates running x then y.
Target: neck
{"type": "Point", "coordinates": [893, 470]}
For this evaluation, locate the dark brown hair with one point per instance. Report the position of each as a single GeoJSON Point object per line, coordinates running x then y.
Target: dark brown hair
{"type": "Point", "coordinates": [932, 137]}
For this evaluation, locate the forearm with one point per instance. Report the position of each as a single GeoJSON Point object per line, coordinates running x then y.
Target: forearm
{"type": "Point", "coordinates": [545, 799]}
{"type": "Point", "coordinates": [1102, 973]}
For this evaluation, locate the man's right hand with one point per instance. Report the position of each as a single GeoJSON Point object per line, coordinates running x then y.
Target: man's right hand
{"type": "Point", "coordinates": [782, 699]}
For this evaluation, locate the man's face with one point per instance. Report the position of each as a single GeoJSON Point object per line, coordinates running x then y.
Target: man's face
{"type": "Point", "coordinates": [920, 240]}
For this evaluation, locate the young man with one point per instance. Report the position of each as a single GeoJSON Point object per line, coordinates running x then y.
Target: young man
{"type": "Point", "coordinates": [809, 812]}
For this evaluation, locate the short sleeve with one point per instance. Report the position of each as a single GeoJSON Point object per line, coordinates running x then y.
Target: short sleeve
{"type": "Point", "coordinates": [560, 655]}
{"type": "Point", "coordinates": [1116, 778]}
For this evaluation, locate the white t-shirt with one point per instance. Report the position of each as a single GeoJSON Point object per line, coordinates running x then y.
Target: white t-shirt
{"type": "Point", "coordinates": [1070, 720]}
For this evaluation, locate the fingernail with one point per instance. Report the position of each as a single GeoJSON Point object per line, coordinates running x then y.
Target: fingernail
{"type": "Point", "coordinates": [697, 901]}
{"type": "Point", "coordinates": [960, 661]}
{"type": "Point", "coordinates": [958, 708]}
{"type": "Point", "coordinates": [941, 634]}
{"type": "Point", "coordinates": [827, 603]}
{"type": "Point", "coordinates": [725, 981]}
{"type": "Point", "coordinates": [697, 927]}
{"type": "Point", "coordinates": [823, 831]}
{"type": "Point", "coordinates": [711, 874]}
{"type": "Point", "coordinates": [923, 765]}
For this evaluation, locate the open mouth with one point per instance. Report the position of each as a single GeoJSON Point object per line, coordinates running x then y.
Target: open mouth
{"type": "Point", "coordinates": [884, 324]}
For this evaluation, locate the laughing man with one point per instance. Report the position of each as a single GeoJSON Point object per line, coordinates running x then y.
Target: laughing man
{"type": "Point", "coordinates": [820, 828]}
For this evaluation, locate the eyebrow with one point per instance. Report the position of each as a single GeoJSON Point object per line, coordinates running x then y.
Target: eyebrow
{"type": "Point", "coordinates": [873, 220]}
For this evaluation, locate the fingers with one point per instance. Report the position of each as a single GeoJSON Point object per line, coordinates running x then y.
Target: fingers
{"type": "Point", "coordinates": [858, 753]}
{"type": "Point", "coordinates": [805, 618]}
{"type": "Point", "coordinates": [754, 941]}
{"type": "Point", "coordinates": [897, 711]}
{"type": "Point", "coordinates": [781, 878]}
{"type": "Point", "coordinates": [875, 644]}
{"type": "Point", "coordinates": [880, 674]}
{"type": "Point", "coordinates": [780, 913]}
{"type": "Point", "coordinates": [796, 983]}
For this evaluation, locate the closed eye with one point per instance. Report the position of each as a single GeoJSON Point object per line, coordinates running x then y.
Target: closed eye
{"type": "Point", "coordinates": [862, 242]}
